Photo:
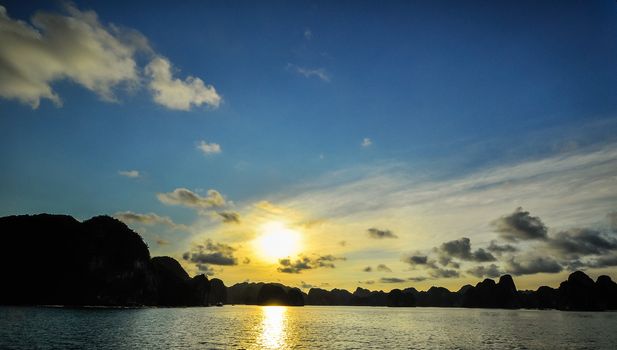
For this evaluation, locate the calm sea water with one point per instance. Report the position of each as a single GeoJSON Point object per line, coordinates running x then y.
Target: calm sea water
{"type": "Point", "coordinates": [310, 327]}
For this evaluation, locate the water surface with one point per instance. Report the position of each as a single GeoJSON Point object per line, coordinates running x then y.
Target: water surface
{"type": "Point", "coordinates": [310, 327]}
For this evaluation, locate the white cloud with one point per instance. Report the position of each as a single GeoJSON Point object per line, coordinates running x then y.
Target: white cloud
{"type": "Point", "coordinates": [174, 93]}
{"type": "Point", "coordinates": [76, 46]}
{"type": "Point", "coordinates": [188, 198]}
{"type": "Point", "coordinates": [308, 34]}
{"type": "Point", "coordinates": [310, 72]}
{"type": "Point", "coordinates": [366, 142]}
{"type": "Point", "coordinates": [565, 190]}
{"type": "Point", "coordinates": [209, 148]}
{"type": "Point", "coordinates": [129, 173]}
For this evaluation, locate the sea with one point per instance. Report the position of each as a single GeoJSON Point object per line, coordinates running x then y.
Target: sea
{"type": "Point", "coordinates": [309, 327]}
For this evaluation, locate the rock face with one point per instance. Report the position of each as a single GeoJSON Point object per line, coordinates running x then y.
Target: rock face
{"type": "Point", "coordinates": [218, 292]}
{"type": "Point", "coordinates": [581, 293]}
{"type": "Point", "coordinates": [265, 294]}
{"type": "Point", "coordinates": [96, 262]}
{"type": "Point", "coordinates": [399, 298]}
{"type": "Point", "coordinates": [488, 294]}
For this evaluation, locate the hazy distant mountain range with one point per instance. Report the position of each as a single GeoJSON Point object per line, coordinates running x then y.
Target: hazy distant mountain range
{"type": "Point", "coordinates": [57, 260]}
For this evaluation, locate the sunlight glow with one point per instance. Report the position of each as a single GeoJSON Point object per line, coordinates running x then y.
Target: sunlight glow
{"type": "Point", "coordinates": [273, 327]}
{"type": "Point", "coordinates": [277, 241]}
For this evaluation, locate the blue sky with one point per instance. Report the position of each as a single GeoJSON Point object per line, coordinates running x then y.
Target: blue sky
{"type": "Point", "coordinates": [443, 91]}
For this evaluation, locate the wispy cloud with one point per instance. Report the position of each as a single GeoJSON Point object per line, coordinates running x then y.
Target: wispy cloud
{"type": "Point", "coordinates": [308, 34]}
{"type": "Point", "coordinates": [129, 217]}
{"type": "Point", "coordinates": [320, 73]}
{"type": "Point", "coordinates": [133, 174]}
{"type": "Point", "coordinates": [209, 148]}
{"type": "Point", "coordinates": [366, 142]}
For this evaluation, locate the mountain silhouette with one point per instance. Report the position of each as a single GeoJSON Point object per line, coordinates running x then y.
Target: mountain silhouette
{"type": "Point", "coordinates": [56, 260]}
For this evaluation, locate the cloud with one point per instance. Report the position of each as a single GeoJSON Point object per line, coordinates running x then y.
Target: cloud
{"type": "Point", "coordinates": [133, 174]}
{"type": "Point", "coordinates": [501, 248]}
{"type": "Point", "coordinates": [531, 265]}
{"type": "Point", "coordinates": [307, 263]}
{"type": "Point", "coordinates": [414, 260]}
{"type": "Point", "coordinates": [491, 271]}
{"type": "Point", "coordinates": [205, 269]}
{"type": "Point", "coordinates": [209, 148]}
{"type": "Point", "coordinates": [269, 207]}
{"type": "Point", "coordinates": [175, 93]}
{"type": "Point", "coordinates": [418, 279]}
{"type": "Point", "coordinates": [229, 216]}
{"type": "Point", "coordinates": [604, 261]}
{"type": "Point", "coordinates": [162, 242]}
{"type": "Point", "coordinates": [383, 268]}
{"type": "Point", "coordinates": [520, 225]}
{"type": "Point", "coordinates": [612, 217]}
{"type": "Point", "coordinates": [308, 34]}
{"type": "Point", "coordinates": [391, 280]}
{"type": "Point", "coordinates": [188, 198]}
{"type": "Point", "coordinates": [461, 248]}
{"type": "Point", "coordinates": [367, 269]}
{"type": "Point", "coordinates": [305, 285]}
{"type": "Point", "coordinates": [366, 142]}
{"type": "Point", "coordinates": [75, 46]}
{"type": "Point", "coordinates": [379, 234]}
{"type": "Point", "coordinates": [310, 72]}
{"type": "Point", "coordinates": [576, 242]}
{"type": "Point", "coordinates": [212, 253]}
{"type": "Point", "coordinates": [443, 273]}
{"type": "Point", "coordinates": [148, 219]}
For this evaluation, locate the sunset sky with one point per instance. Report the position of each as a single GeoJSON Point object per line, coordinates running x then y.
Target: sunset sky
{"type": "Point", "coordinates": [318, 143]}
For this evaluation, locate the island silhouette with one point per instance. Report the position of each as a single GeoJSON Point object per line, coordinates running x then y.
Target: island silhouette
{"type": "Point", "coordinates": [56, 260]}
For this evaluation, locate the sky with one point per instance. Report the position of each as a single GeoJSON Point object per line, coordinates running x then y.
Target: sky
{"type": "Point", "coordinates": [323, 144]}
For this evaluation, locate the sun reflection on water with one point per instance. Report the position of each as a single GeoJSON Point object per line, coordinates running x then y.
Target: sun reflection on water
{"type": "Point", "coordinates": [273, 327]}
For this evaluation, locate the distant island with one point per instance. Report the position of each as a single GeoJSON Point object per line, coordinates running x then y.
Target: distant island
{"type": "Point", "coordinates": [57, 260]}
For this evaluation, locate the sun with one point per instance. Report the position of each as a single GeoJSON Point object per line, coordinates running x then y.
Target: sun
{"type": "Point", "coordinates": [277, 241]}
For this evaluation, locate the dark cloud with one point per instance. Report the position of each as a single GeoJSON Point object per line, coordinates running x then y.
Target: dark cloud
{"type": "Point", "coordinates": [418, 279]}
{"type": "Point", "coordinates": [229, 217]}
{"type": "Point", "coordinates": [576, 242]}
{"type": "Point", "coordinates": [461, 249]}
{"type": "Point", "coordinates": [443, 273]}
{"type": "Point", "coordinates": [211, 253]}
{"type": "Point", "coordinates": [391, 280]}
{"type": "Point", "coordinates": [383, 268]}
{"type": "Point", "coordinates": [604, 261]}
{"type": "Point", "coordinates": [342, 243]}
{"type": "Point", "coordinates": [612, 220]}
{"type": "Point", "coordinates": [501, 248]}
{"type": "Point", "coordinates": [305, 285]}
{"type": "Point", "coordinates": [532, 265]}
{"type": "Point", "coordinates": [367, 269]}
{"type": "Point", "coordinates": [491, 271]}
{"type": "Point", "coordinates": [205, 269]}
{"type": "Point", "coordinates": [367, 282]}
{"type": "Point", "coordinates": [416, 259]}
{"type": "Point", "coordinates": [379, 234]}
{"type": "Point", "coordinates": [520, 225]}
{"type": "Point", "coordinates": [307, 263]}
